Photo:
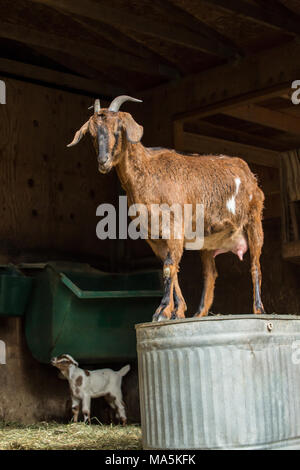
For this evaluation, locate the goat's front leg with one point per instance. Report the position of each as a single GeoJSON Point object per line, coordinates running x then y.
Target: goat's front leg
{"type": "Point", "coordinates": [75, 408]}
{"type": "Point", "coordinates": [166, 307]}
{"type": "Point", "coordinates": [86, 408]}
{"type": "Point", "coordinates": [210, 275]}
{"type": "Point", "coordinates": [179, 302]}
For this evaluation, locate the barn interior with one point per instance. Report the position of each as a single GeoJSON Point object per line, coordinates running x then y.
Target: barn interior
{"type": "Point", "coordinates": [215, 77]}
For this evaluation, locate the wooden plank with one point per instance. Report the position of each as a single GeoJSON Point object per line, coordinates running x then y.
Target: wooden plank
{"type": "Point", "coordinates": [160, 29]}
{"type": "Point", "coordinates": [266, 117]}
{"type": "Point", "coordinates": [268, 14]}
{"type": "Point", "coordinates": [291, 251]}
{"type": "Point", "coordinates": [271, 206]}
{"type": "Point", "coordinates": [75, 65]}
{"type": "Point", "coordinates": [79, 49]}
{"type": "Point", "coordinates": [123, 42]}
{"type": "Point", "coordinates": [59, 79]}
{"type": "Point", "coordinates": [252, 79]}
{"type": "Point", "coordinates": [210, 145]}
{"type": "Point", "coordinates": [294, 221]}
{"type": "Point", "coordinates": [219, 42]}
{"type": "Point", "coordinates": [235, 135]}
{"type": "Point", "coordinates": [48, 193]}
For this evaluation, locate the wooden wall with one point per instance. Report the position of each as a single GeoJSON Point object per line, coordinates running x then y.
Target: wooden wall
{"type": "Point", "coordinates": [48, 193]}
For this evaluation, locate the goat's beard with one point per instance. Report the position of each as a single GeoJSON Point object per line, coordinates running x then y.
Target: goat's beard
{"type": "Point", "coordinates": [104, 169]}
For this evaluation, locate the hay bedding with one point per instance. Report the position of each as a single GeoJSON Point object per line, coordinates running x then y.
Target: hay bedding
{"type": "Point", "coordinates": [54, 436]}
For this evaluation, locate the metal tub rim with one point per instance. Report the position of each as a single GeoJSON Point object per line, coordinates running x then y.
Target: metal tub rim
{"type": "Point", "coordinates": [271, 316]}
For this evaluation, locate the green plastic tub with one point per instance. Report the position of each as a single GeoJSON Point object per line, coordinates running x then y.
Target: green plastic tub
{"type": "Point", "coordinates": [15, 289]}
{"type": "Point", "coordinates": [87, 313]}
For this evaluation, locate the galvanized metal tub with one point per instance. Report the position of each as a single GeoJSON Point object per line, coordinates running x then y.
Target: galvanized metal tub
{"type": "Point", "coordinates": [223, 382]}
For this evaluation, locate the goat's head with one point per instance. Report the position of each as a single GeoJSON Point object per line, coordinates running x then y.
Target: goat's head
{"type": "Point", "coordinates": [64, 362]}
{"type": "Point", "coordinates": [110, 129]}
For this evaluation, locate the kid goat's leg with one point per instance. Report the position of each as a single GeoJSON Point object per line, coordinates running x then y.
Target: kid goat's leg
{"type": "Point", "coordinates": [210, 275]}
{"type": "Point", "coordinates": [75, 408]}
{"type": "Point", "coordinates": [86, 408]}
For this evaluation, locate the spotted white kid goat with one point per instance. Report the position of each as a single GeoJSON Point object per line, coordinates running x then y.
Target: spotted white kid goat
{"type": "Point", "coordinates": [88, 384]}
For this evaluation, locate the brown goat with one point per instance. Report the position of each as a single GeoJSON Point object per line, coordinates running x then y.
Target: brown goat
{"type": "Point", "coordinates": [225, 187]}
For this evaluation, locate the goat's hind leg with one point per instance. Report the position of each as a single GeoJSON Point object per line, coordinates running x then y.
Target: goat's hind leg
{"type": "Point", "coordinates": [255, 240]}
{"type": "Point", "coordinates": [75, 408]}
{"type": "Point", "coordinates": [210, 274]}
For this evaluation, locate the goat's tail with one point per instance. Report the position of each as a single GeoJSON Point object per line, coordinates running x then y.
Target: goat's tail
{"type": "Point", "coordinates": [124, 370]}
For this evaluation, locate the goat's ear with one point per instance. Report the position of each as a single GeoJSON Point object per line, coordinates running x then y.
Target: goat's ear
{"type": "Point", "coordinates": [79, 134]}
{"type": "Point", "coordinates": [134, 131]}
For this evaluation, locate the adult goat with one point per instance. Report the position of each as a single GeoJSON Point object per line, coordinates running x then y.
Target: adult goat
{"type": "Point", "coordinates": [225, 186]}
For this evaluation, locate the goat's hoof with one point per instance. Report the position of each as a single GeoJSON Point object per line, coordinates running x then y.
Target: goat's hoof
{"type": "Point", "coordinates": [177, 316]}
{"type": "Point", "coordinates": [159, 317]}
{"type": "Point", "coordinates": [200, 315]}
{"type": "Point", "coordinates": [174, 315]}
{"type": "Point", "coordinates": [259, 311]}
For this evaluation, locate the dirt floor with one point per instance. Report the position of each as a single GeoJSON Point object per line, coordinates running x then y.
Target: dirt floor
{"type": "Point", "coordinates": [54, 436]}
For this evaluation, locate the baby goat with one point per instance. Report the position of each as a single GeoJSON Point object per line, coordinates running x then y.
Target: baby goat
{"type": "Point", "coordinates": [86, 384]}
{"type": "Point", "coordinates": [224, 186]}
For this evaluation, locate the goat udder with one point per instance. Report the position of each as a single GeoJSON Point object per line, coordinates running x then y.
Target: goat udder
{"type": "Point", "coordinates": [239, 248]}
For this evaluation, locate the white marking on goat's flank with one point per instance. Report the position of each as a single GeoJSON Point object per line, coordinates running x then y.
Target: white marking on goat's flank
{"type": "Point", "coordinates": [250, 197]}
{"type": "Point", "coordinates": [230, 204]}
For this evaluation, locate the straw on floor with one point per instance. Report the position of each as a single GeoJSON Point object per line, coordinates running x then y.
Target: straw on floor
{"type": "Point", "coordinates": [52, 436]}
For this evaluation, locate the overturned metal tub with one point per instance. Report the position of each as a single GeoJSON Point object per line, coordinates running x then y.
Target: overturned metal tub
{"type": "Point", "coordinates": [223, 382]}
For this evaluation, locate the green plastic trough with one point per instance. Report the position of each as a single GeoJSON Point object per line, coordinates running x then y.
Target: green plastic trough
{"type": "Point", "coordinates": [87, 313]}
{"type": "Point", "coordinates": [15, 289]}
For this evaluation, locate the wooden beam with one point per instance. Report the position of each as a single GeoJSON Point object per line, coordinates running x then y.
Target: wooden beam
{"type": "Point", "coordinates": [234, 135]}
{"type": "Point", "coordinates": [123, 42]}
{"type": "Point", "coordinates": [59, 79]}
{"type": "Point", "coordinates": [291, 251]}
{"type": "Point", "coordinates": [189, 142]}
{"type": "Point", "coordinates": [267, 14]}
{"type": "Point", "coordinates": [219, 42]}
{"type": "Point", "coordinates": [266, 117]}
{"type": "Point", "coordinates": [79, 49]}
{"type": "Point", "coordinates": [254, 78]}
{"type": "Point", "coordinates": [75, 65]}
{"type": "Point", "coordinates": [141, 24]}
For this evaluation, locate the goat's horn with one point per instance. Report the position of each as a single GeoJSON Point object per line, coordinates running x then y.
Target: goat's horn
{"type": "Point", "coordinates": [96, 106]}
{"type": "Point", "coordinates": [117, 102]}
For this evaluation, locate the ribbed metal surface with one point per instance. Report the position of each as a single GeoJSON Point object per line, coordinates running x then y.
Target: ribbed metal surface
{"type": "Point", "coordinates": [224, 382]}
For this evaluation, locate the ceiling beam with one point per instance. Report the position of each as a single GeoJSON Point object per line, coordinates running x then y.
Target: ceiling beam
{"type": "Point", "coordinates": [189, 142]}
{"type": "Point", "coordinates": [266, 14]}
{"type": "Point", "coordinates": [58, 79]}
{"type": "Point", "coordinates": [266, 117]}
{"type": "Point", "coordinates": [123, 42]}
{"type": "Point", "coordinates": [74, 65]}
{"type": "Point", "coordinates": [160, 29]}
{"type": "Point", "coordinates": [86, 51]}
{"type": "Point", "coordinates": [235, 135]}
{"type": "Point", "coordinates": [255, 78]}
{"type": "Point", "coordinates": [183, 17]}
